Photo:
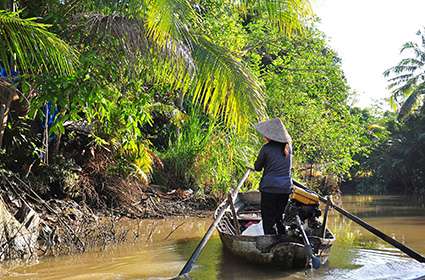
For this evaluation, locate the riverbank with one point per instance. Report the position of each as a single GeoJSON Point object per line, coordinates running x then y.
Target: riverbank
{"type": "Point", "coordinates": [163, 247]}
{"type": "Point", "coordinates": [38, 224]}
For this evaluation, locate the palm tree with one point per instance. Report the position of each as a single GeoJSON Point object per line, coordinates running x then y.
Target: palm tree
{"type": "Point", "coordinates": [407, 80]}
{"type": "Point", "coordinates": [28, 47]}
{"type": "Point", "coordinates": [172, 31]}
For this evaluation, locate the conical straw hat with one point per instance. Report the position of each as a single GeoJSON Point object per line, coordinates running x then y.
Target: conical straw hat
{"type": "Point", "coordinates": [274, 130]}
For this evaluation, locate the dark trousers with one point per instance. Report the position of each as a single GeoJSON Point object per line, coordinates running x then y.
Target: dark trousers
{"type": "Point", "coordinates": [272, 208]}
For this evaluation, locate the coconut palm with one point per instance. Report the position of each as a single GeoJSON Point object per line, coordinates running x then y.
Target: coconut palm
{"type": "Point", "coordinates": [407, 80]}
{"type": "Point", "coordinates": [172, 31]}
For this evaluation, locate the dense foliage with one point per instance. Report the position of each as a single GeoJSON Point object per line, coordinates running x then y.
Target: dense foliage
{"type": "Point", "coordinates": [170, 89]}
{"type": "Point", "coordinates": [395, 162]}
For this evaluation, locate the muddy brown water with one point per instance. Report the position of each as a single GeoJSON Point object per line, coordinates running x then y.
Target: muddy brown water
{"type": "Point", "coordinates": [163, 246]}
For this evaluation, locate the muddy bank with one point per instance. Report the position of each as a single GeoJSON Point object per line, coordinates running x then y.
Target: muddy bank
{"type": "Point", "coordinates": [36, 224]}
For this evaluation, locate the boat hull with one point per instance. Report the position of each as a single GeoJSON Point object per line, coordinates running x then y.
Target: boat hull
{"type": "Point", "coordinates": [285, 252]}
{"type": "Point", "coordinates": [271, 250]}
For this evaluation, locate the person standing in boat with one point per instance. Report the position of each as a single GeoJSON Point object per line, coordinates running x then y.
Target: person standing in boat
{"type": "Point", "coordinates": [275, 159]}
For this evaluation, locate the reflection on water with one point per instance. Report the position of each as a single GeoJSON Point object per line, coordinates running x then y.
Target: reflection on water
{"type": "Point", "coordinates": [163, 247]}
{"type": "Point", "coordinates": [396, 216]}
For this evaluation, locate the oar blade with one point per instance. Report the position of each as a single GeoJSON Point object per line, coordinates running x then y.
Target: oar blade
{"type": "Point", "coordinates": [315, 262]}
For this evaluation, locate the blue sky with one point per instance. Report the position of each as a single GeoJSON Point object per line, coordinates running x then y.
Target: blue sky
{"type": "Point", "coordinates": [368, 35]}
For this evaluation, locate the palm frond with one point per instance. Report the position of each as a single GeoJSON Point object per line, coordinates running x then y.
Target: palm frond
{"type": "Point", "coordinates": [404, 68]}
{"type": "Point", "coordinates": [400, 78]}
{"type": "Point", "coordinates": [408, 77]}
{"type": "Point", "coordinates": [36, 49]}
{"type": "Point", "coordinates": [169, 21]}
{"type": "Point", "coordinates": [412, 62]}
{"type": "Point", "coordinates": [402, 89]}
{"type": "Point", "coordinates": [187, 60]}
{"type": "Point", "coordinates": [408, 45]}
{"type": "Point", "coordinates": [420, 33]}
{"type": "Point", "coordinates": [410, 102]}
{"type": "Point", "coordinates": [129, 31]}
{"type": "Point", "coordinates": [190, 62]}
{"type": "Point", "coordinates": [288, 15]}
{"type": "Point", "coordinates": [215, 79]}
{"type": "Point", "coordinates": [415, 48]}
{"type": "Point", "coordinates": [224, 86]}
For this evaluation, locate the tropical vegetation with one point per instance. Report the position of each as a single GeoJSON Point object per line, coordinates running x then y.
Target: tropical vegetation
{"type": "Point", "coordinates": [407, 78]}
{"type": "Point", "coordinates": [395, 163]}
{"type": "Point", "coordinates": [167, 92]}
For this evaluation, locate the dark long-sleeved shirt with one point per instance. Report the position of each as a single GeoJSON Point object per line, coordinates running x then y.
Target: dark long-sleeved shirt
{"type": "Point", "coordinates": [277, 168]}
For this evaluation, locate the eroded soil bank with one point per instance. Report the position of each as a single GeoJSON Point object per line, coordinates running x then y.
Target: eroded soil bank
{"type": "Point", "coordinates": [38, 224]}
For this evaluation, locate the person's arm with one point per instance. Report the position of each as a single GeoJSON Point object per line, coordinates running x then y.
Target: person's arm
{"type": "Point", "coordinates": [261, 158]}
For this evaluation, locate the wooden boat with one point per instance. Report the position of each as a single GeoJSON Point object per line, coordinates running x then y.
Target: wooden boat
{"type": "Point", "coordinates": [307, 242]}
{"type": "Point", "coordinates": [285, 251]}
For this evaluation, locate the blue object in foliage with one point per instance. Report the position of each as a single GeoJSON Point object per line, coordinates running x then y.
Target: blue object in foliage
{"type": "Point", "coordinates": [51, 115]}
{"type": "Point", "coordinates": [4, 75]}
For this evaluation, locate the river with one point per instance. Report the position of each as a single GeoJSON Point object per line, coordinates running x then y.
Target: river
{"type": "Point", "coordinates": [163, 246]}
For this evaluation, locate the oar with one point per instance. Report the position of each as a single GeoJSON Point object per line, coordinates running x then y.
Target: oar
{"type": "Point", "coordinates": [315, 260]}
{"type": "Point", "coordinates": [375, 231]}
{"type": "Point", "coordinates": [188, 266]}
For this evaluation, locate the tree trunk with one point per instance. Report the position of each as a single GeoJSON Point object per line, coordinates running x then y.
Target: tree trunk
{"type": "Point", "coordinates": [56, 144]}
{"type": "Point", "coordinates": [46, 135]}
{"type": "Point", "coordinates": [5, 102]}
{"type": "Point", "coordinates": [2, 114]}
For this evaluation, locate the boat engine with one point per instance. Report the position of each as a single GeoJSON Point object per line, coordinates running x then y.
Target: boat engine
{"type": "Point", "coordinates": [305, 204]}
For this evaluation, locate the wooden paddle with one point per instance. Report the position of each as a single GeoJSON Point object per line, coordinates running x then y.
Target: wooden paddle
{"type": "Point", "coordinates": [411, 253]}
{"type": "Point", "coordinates": [188, 266]}
{"type": "Point", "coordinates": [315, 260]}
